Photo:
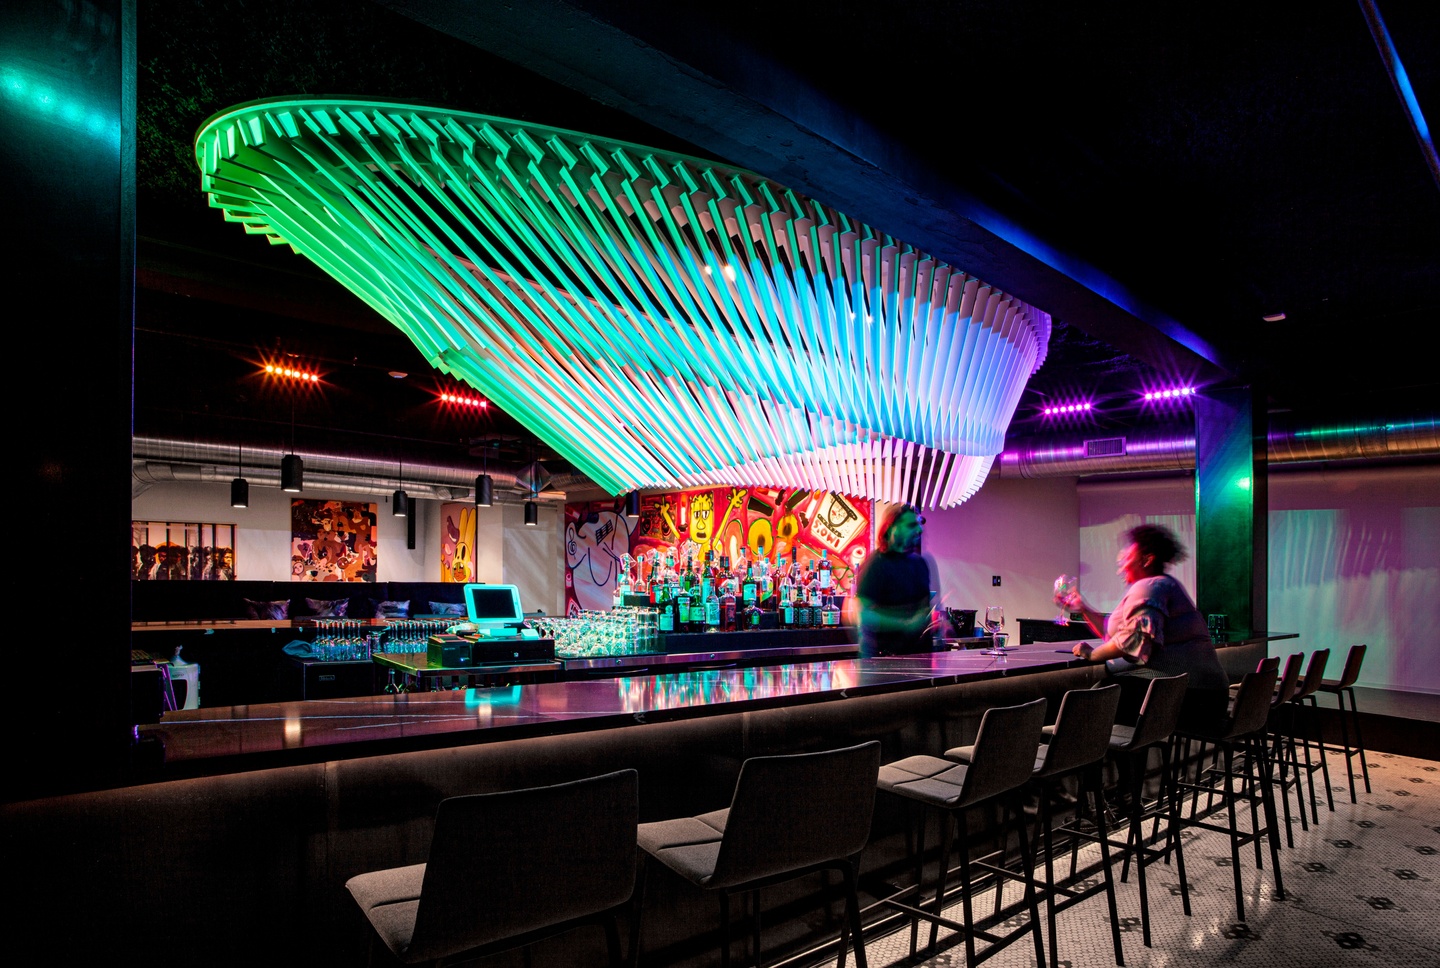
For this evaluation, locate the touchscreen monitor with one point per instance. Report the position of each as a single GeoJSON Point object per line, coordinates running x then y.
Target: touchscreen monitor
{"type": "Point", "coordinates": [491, 606]}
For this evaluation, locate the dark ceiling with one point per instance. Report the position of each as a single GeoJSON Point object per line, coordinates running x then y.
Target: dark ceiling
{"type": "Point", "coordinates": [1158, 178]}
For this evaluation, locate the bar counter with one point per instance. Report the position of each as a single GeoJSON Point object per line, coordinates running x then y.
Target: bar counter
{"type": "Point", "coordinates": [217, 740]}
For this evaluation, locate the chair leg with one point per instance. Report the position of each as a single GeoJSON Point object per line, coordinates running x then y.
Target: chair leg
{"type": "Point", "coordinates": [1345, 744]}
{"type": "Point", "coordinates": [1097, 790]}
{"type": "Point", "coordinates": [1234, 832]}
{"type": "Point", "coordinates": [919, 878]}
{"type": "Point", "coordinates": [1281, 765]}
{"type": "Point", "coordinates": [639, 907]}
{"type": "Point", "coordinates": [1268, 800]}
{"type": "Point", "coordinates": [1173, 838]}
{"type": "Point", "coordinates": [755, 926]}
{"type": "Point", "coordinates": [1359, 740]}
{"type": "Point", "coordinates": [1027, 865]}
{"type": "Point", "coordinates": [852, 915]}
{"type": "Point", "coordinates": [1043, 817]}
{"type": "Point", "coordinates": [612, 940]}
{"type": "Point", "coordinates": [963, 831]}
{"type": "Point", "coordinates": [1135, 841]}
{"type": "Point", "coordinates": [1312, 715]}
{"type": "Point", "coordinates": [945, 839]}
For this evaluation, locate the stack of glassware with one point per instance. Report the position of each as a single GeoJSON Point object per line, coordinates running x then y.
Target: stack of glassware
{"type": "Point", "coordinates": [409, 635]}
{"type": "Point", "coordinates": [601, 634]}
{"type": "Point", "coordinates": [342, 640]}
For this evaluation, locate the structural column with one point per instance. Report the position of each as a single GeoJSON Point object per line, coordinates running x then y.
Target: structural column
{"type": "Point", "coordinates": [1231, 506]}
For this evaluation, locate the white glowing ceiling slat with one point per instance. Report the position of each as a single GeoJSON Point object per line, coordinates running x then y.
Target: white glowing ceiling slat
{"type": "Point", "coordinates": [658, 319]}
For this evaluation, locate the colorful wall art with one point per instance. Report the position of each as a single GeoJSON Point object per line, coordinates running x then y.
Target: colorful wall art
{"type": "Point", "coordinates": [332, 541]}
{"type": "Point", "coordinates": [729, 521]}
{"type": "Point", "coordinates": [173, 551]}
{"type": "Point", "coordinates": [457, 542]}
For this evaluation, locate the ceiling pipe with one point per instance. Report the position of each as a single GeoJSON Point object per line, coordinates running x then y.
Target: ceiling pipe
{"type": "Point", "coordinates": [156, 460]}
{"type": "Point", "coordinates": [1171, 447]}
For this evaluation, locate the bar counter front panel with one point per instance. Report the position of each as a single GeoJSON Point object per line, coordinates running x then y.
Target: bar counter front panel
{"type": "Point", "coordinates": [242, 865]}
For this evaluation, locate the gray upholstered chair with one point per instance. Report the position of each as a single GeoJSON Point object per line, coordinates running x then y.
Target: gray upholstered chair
{"type": "Point", "coordinates": [997, 766]}
{"type": "Point", "coordinates": [1242, 732]}
{"type": "Point", "coordinates": [790, 815]}
{"type": "Point", "coordinates": [508, 869]}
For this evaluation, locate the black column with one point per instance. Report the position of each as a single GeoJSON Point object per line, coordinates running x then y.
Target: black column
{"type": "Point", "coordinates": [1231, 507]}
{"type": "Point", "coordinates": [67, 110]}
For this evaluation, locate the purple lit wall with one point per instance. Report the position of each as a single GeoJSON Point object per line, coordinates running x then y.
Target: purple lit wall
{"type": "Point", "coordinates": [1354, 557]}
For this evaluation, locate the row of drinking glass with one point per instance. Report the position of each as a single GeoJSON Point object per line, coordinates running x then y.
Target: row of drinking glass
{"type": "Point", "coordinates": [344, 640]}
{"type": "Point", "coordinates": [597, 634]}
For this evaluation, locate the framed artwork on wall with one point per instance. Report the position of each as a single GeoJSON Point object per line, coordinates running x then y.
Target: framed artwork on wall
{"type": "Point", "coordinates": [457, 542]}
{"type": "Point", "coordinates": [181, 551]}
{"type": "Point", "coordinates": [332, 541]}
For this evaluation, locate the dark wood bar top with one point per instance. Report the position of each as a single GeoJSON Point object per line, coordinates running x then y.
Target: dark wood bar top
{"type": "Point", "coordinates": [208, 741]}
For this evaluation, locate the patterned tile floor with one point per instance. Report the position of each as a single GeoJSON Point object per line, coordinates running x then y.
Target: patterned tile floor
{"type": "Point", "coordinates": [1363, 888]}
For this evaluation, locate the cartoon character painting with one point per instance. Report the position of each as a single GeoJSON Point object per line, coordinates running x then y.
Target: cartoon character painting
{"type": "Point", "coordinates": [594, 544]}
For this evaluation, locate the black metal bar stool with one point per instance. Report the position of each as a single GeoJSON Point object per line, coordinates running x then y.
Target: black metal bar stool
{"type": "Point", "coordinates": [1280, 726]}
{"type": "Point", "coordinates": [1078, 743]}
{"type": "Point", "coordinates": [1340, 688]}
{"type": "Point", "coordinates": [1000, 763]}
{"type": "Point", "coordinates": [1306, 717]}
{"type": "Point", "coordinates": [1242, 733]}
{"type": "Point", "coordinates": [1159, 717]}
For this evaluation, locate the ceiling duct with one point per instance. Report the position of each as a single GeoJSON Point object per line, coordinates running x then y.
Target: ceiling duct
{"type": "Point", "coordinates": [157, 460]}
{"type": "Point", "coordinates": [1171, 447]}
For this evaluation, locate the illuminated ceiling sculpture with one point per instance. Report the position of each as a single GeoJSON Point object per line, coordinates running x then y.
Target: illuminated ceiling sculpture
{"type": "Point", "coordinates": [659, 320]}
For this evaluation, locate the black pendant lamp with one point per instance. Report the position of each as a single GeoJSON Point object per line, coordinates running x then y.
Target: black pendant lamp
{"type": "Point", "coordinates": [400, 501]}
{"type": "Point", "coordinates": [484, 485]}
{"type": "Point", "coordinates": [292, 473]}
{"type": "Point", "coordinates": [532, 514]}
{"type": "Point", "coordinates": [240, 488]}
{"type": "Point", "coordinates": [632, 505]}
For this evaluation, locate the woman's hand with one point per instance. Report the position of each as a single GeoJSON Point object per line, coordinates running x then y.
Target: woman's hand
{"type": "Point", "coordinates": [1083, 650]}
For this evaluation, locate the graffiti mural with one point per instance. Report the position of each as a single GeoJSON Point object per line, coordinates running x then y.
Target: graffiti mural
{"type": "Point", "coordinates": [683, 527]}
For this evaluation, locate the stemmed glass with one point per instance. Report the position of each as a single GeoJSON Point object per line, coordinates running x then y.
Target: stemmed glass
{"type": "Point", "coordinates": [1065, 585]}
{"type": "Point", "coordinates": [994, 621]}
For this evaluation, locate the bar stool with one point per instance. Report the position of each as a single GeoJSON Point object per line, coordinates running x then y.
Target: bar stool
{"type": "Point", "coordinates": [1307, 724]}
{"type": "Point", "coordinates": [1280, 726]}
{"type": "Point", "coordinates": [790, 815]}
{"type": "Point", "coordinates": [1242, 732]}
{"type": "Point", "coordinates": [1000, 763]}
{"type": "Point", "coordinates": [1340, 688]}
{"type": "Point", "coordinates": [508, 869]}
{"type": "Point", "coordinates": [1159, 716]}
{"type": "Point", "coordinates": [1078, 743]}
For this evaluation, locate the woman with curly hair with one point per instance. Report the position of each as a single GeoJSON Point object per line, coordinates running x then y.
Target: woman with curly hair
{"type": "Point", "coordinates": [1155, 631]}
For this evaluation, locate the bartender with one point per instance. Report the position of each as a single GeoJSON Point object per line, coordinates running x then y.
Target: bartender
{"type": "Point", "coordinates": [895, 589]}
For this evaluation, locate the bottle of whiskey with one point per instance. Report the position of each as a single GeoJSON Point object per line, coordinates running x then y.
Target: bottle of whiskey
{"type": "Point", "coordinates": [829, 613]}
{"type": "Point", "coordinates": [822, 572]}
{"type": "Point", "coordinates": [750, 588]}
{"type": "Point", "coordinates": [710, 609]}
{"type": "Point", "coordinates": [727, 607]}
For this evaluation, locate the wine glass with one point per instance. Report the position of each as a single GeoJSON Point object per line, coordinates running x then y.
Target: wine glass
{"type": "Point", "coordinates": [1065, 585]}
{"type": "Point", "coordinates": [994, 618]}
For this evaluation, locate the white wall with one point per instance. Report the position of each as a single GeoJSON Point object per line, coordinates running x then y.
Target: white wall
{"type": "Point", "coordinates": [1023, 531]}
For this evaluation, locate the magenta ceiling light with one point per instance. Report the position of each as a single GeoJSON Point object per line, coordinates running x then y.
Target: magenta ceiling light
{"type": "Point", "coordinates": [1173, 393]}
{"type": "Point", "coordinates": [1066, 409]}
{"type": "Point", "coordinates": [657, 319]}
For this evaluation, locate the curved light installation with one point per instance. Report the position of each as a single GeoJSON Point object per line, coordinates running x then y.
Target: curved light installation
{"type": "Point", "coordinates": [659, 320]}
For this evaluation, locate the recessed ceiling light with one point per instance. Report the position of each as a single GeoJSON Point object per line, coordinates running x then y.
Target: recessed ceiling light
{"type": "Point", "coordinates": [399, 374]}
{"type": "Point", "coordinates": [1273, 317]}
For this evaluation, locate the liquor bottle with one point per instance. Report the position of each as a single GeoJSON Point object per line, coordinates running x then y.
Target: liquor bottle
{"type": "Point", "coordinates": [710, 610]}
{"type": "Point", "coordinates": [622, 588]}
{"type": "Point", "coordinates": [750, 620]}
{"type": "Point", "coordinates": [804, 614]}
{"type": "Point", "coordinates": [667, 610]}
{"type": "Point", "coordinates": [829, 613]}
{"type": "Point", "coordinates": [822, 573]}
{"type": "Point", "coordinates": [749, 590]}
{"type": "Point", "coordinates": [680, 609]}
{"type": "Point", "coordinates": [727, 607]}
{"type": "Point", "coordinates": [786, 603]}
